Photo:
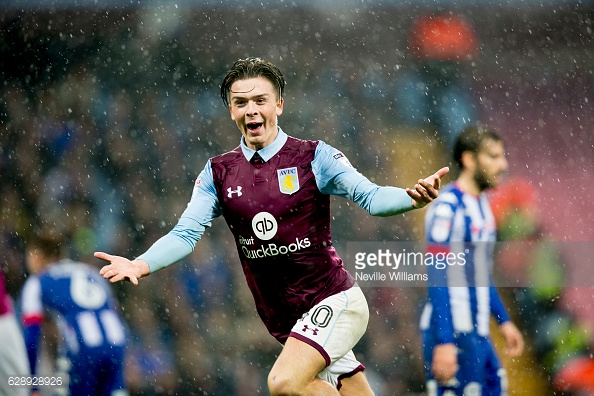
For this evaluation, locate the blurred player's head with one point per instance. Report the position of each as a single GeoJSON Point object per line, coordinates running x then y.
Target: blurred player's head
{"type": "Point", "coordinates": [43, 248]}
{"type": "Point", "coordinates": [253, 90]}
{"type": "Point", "coordinates": [480, 152]}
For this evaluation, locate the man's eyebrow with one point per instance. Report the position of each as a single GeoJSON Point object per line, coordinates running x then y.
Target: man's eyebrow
{"type": "Point", "coordinates": [237, 95]}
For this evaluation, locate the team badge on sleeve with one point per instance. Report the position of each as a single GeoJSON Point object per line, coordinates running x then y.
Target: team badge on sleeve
{"type": "Point", "coordinates": [288, 180]}
{"type": "Point", "coordinates": [340, 157]}
{"type": "Point", "coordinates": [198, 182]}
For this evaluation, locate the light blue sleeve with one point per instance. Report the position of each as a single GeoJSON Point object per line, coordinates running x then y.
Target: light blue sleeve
{"type": "Point", "coordinates": [180, 241]}
{"type": "Point", "coordinates": [335, 175]}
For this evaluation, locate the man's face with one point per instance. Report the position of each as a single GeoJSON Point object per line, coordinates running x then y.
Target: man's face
{"type": "Point", "coordinates": [254, 107]}
{"type": "Point", "coordinates": [491, 164]}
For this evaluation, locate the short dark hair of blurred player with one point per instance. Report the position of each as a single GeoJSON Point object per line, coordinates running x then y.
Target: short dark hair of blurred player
{"type": "Point", "coordinates": [459, 357]}
{"type": "Point", "coordinates": [93, 336]}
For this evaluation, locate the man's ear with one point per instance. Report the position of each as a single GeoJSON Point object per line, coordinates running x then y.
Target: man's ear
{"type": "Point", "coordinates": [231, 112]}
{"type": "Point", "coordinates": [468, 160]}
{"type": "Point", "coordinates": [279, 106]}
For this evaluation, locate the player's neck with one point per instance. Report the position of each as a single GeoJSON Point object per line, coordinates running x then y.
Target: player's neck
{"type": "Point", "coordinates": [467, 184]}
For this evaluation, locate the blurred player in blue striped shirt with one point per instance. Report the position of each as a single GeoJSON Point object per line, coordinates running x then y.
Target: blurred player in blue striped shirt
{"type": "Point", "coordinates": [93, 337]}
{"type": "Point", "coordinates": [458, 353]}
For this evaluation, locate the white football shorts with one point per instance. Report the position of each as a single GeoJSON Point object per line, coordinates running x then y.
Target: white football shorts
{"type": "Point", "coordinates": [13, 355]}
{"type": "Point", "coordinates": [333, 327]}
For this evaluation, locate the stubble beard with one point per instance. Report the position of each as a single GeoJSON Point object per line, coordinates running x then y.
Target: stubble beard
{"type": "Point", "coordinates": [483, 181]}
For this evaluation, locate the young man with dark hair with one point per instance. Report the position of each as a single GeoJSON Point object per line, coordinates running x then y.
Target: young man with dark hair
{"type": "Point", "coordinates": [459, 357]}
{"type": "Point", "coordinates": [273, 191]}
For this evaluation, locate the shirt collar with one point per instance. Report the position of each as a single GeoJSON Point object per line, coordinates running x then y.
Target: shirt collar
{"type": "Point", "coordinates": [267, 152]}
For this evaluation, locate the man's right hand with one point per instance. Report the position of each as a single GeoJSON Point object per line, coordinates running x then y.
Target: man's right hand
{"type": "Point", "coordinates": [445, 362]}
{"type": "Point", "coordinates": [120, 268]}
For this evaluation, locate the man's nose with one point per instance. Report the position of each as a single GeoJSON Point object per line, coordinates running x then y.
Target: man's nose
{"type": "Point", "coordinates": [252, 109]}
{"type": "Point", "coordinates": [504, 163]}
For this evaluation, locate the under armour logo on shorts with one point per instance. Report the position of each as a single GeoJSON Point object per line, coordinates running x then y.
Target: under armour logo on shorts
{"type": "Point", "coordinates": [315, 330]}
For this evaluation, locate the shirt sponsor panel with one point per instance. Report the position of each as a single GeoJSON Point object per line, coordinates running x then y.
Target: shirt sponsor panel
{"type": "Point", "coordinates": [265, 227]}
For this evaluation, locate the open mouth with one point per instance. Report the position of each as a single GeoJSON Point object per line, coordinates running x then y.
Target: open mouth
{"type": "Point", "coordinates": [254, 126]}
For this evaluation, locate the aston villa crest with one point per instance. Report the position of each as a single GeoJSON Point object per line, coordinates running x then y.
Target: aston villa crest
{"type": "Point", "coordinates": [288, 180]}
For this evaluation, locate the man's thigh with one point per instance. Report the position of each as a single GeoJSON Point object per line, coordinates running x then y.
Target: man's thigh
{"type": "Point", "coordinates": [335, 325]}
{"type": "Point", "coordinates": [297, 366]}
{"type": "Point", "coordinates": [320, 343]}
{"type": "Point", "coordinates": [355, 385]}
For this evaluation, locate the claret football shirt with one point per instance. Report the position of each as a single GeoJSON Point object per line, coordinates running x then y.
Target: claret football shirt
{"type": "Point", "coordinates": [277, 206]}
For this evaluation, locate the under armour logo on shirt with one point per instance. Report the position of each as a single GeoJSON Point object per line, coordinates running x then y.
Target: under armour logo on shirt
{"type": "Point", "coordinates": [230, 192]}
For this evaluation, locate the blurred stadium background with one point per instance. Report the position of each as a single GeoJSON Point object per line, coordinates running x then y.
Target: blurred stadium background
{"type": "Point", "coordinates": [109, 110]}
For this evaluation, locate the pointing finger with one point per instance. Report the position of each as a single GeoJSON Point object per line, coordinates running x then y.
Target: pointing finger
{"type": "Point", "coordinates": [103, 256]}
{"type": "Point", "coordinates": [442, 172]}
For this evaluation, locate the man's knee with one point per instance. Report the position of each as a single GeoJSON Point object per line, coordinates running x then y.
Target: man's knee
{"type": "Point", "coordinates": [282, 385]}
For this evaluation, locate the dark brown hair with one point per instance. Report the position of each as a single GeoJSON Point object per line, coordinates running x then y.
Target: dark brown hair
{"type": "Point", "coordinates": [471, 139]}
{"type": "Point", "coordinates": [251, 68]}
{"type": "Point", "coordinates": [49, 244]}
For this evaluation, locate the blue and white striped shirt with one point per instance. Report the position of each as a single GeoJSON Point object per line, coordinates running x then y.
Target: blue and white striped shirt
{"type": "Point", "coordinates": [462, 298]}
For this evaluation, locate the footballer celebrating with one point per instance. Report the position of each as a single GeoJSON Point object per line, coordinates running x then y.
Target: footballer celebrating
{"type": "Point", "coordinates": [274, 192]}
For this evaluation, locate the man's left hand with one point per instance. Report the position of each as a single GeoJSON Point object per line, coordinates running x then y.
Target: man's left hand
{"type": "Point", "coordinates": [514, 342]}
{"type": "Point", "coordinates": [426, 190]}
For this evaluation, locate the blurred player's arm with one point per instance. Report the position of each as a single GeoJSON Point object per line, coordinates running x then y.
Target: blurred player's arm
{"type": "Point", "coordinates": [444, 365]}
{"type": "Point", "coordinates": [439, 221]}
{"type": "Point", "coordinates": [32, 318]}
{"type": "Point", "coordinates": [514, 341]}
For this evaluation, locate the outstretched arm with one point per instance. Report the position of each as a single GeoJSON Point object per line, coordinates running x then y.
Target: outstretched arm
{"type": "Point", "coordinates": [120, 268]}
{"type": "Point", "coordinates": [426, 190]}
{"type": "Point", "coordinates": [335, 175]}
{"type": "Point", "coordinates": [175, 245]}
